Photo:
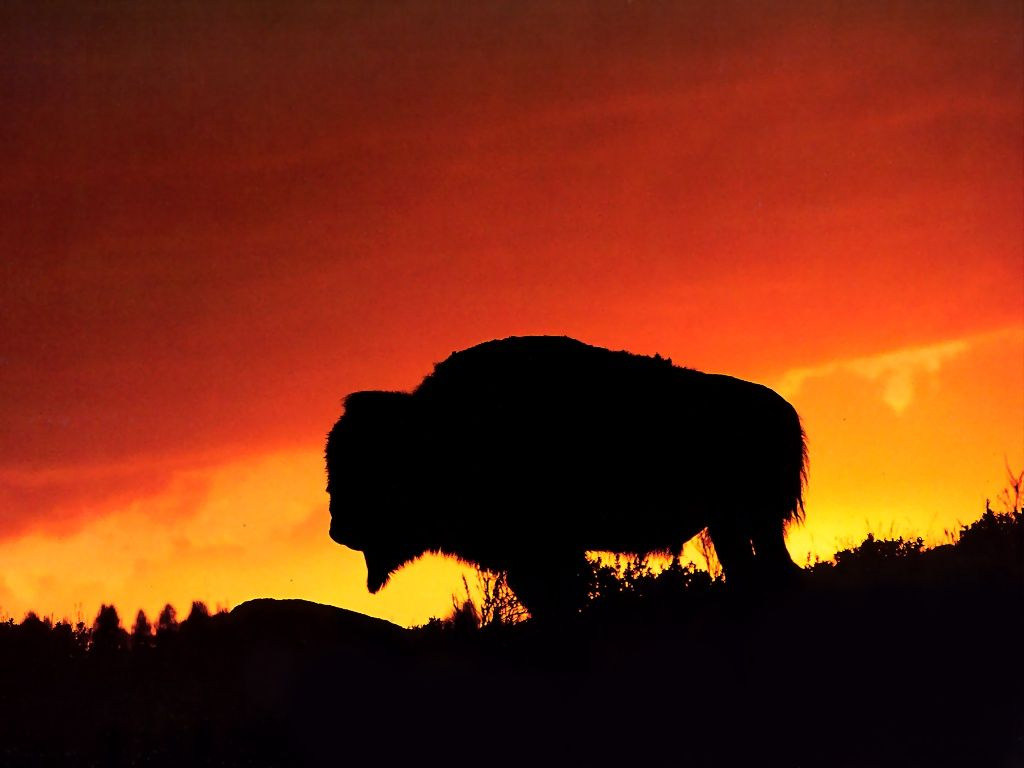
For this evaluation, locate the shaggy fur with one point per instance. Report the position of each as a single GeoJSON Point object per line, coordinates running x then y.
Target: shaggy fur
{"type": "Point", "coordinates": [522, 454]}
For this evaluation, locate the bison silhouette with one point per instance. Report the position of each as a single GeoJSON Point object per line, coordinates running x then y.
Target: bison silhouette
{"type": "Point", "coordinates": [522, 454]}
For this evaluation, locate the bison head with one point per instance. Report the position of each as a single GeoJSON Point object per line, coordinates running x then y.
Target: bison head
{"type": "Point", "coordinates": [372, 470]}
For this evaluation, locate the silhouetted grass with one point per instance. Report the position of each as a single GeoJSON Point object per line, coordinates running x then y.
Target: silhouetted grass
{"type": "Point", "coordinates": [891, 654]}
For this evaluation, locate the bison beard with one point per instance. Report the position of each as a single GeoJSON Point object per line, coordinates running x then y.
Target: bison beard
{"type": "Point", "coordinates": [522, 454]}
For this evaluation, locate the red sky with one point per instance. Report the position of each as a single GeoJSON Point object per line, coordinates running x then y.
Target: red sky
{"type": "Point", "coordinates": [218, 219]}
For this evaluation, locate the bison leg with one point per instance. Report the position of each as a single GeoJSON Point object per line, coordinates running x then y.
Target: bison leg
{"type": "Point", "coordinates": [550, 585]}
{"type": "Point", "coordinates": [732, 545]}
{"type": "Point", "coordinates": [773, 560]}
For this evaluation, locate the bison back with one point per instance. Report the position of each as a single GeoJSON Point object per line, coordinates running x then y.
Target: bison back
{"type": "Point", "coordinates": [554, 432]}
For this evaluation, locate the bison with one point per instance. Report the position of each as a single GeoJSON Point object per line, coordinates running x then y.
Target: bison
{"type": "Point", "coordinates": [522, 454]}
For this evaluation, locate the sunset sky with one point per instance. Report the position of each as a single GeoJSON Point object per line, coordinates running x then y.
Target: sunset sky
{"type": "Point", "coordinates": [217, 219]}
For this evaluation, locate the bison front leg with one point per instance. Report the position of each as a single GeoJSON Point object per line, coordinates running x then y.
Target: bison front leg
{"type": "Point", "coordinates": [550, 585]}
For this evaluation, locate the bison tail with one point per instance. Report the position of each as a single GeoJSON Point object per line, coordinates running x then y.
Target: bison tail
{"type": "Point", "coordinates": [795, 472]}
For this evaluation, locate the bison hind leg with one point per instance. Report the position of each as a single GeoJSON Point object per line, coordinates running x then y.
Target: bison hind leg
{"type": "Point", "coordinates": [753, 555]}
{"type": "Point", "coordinates": [734, 550]}
{"type": "Point", "coordinates": [773, 560]}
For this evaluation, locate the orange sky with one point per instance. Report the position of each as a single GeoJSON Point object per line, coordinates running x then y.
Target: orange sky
{"type": "Point", "coordinates": [217, 220]}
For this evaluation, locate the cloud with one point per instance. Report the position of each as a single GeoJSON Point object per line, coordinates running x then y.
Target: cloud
{"type": "Point", "coordinates": [896, 373]}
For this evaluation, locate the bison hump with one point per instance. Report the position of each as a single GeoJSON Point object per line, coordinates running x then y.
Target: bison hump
{"type": "Point", "coordinates": [522, 366]}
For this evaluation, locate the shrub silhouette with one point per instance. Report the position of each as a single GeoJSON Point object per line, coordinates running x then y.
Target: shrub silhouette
{"type": "Point", "coordinates": [873, 550]}
{"type": "Point", "coordinates": [994, 537]}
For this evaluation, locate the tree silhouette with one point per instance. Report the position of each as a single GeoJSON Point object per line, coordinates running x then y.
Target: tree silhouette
{"type": "Point", "coordinates": [199, 613]}
{"type": "Point", "coordinates": [107, 635]}
{"type": "Point", "coordinates": [166, 622]}
{"type": "Point", "coordinates": [198, 620]}
{"type": "Point", "coordinates": [142, 632]}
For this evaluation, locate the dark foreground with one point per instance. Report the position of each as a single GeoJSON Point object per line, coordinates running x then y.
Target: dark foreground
{"type": "Point", "coordinates": [900, 666]}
